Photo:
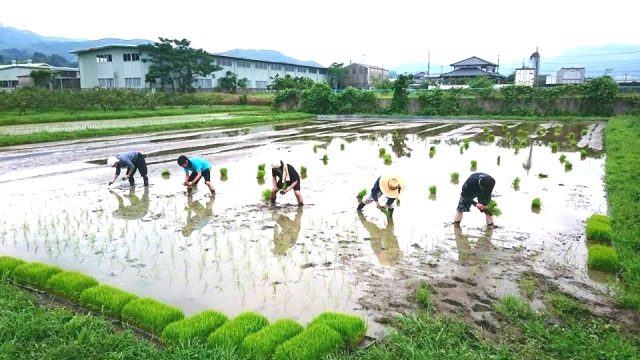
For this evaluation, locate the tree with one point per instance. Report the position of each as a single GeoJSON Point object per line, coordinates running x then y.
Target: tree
{"type": "Point", "coordinates": [400, 97]}
{"type": "Point", "coordinates": [288, 82]}
{"type": "Point", "coordinates": [174, 63]}
{"type": "Point", "coordinates": [230, 83]}
{"type": "Point", "coordinates": [511, 78]}
{"type": "Point", "coordinates": [42, 77]}
{"type": "Point", "coordinates": [481, 82]}
{"type": "Point", "coordinates": [337, 75]}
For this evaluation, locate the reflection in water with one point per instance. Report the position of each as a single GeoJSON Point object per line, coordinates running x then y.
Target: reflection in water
{"type": "Point", "coordinates": [197, 215]}
{"type": "Point", "coordinates": [483, 245]}
{"type": "Point", "coordinates": [137, 207]}
{"type": "Point", "coordinates": [399, 144]}
{"type": "Point", "coordinates": [527, 163]}
{"type": "Point", "coordinates": [383, 241]}
{"type": "Point", "coordinates": [285, 237]}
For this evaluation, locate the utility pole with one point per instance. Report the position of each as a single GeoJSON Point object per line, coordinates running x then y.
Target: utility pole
{"type": "Point", "coordinates": [428, 65]}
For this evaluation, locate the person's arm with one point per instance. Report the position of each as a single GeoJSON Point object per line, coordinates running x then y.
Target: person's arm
{"type": "Point", "coordinates": [186, 177]}
{"type": "Point", "coordinates": [274, 178]}
{"type": "Point", "coordinates": [374, 192]}
{"type": "Point", "coordinates": [195, 180]}
{"type": "Point", "coordinates": [293, 184]}
{"type": "Point", "coordinates": [390, 201]}
{"type": "Point", "coordinates": [116, 174]}
{"type": "Point", "coordinates": [129, 165]}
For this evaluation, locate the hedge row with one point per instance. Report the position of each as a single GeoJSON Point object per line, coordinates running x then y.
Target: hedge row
{"type": "Point", "coordinates": [249, 333]}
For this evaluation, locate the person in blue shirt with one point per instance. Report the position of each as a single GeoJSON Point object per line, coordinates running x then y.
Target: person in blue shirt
{"type": "Point", "coordinates": [385, 191]}
{"type": "Point", "coordinates": [478, 185]}
{"type": "Point", "coordinates": [132, 161]}
{"type": "Point", "coordinates": [196, 168]}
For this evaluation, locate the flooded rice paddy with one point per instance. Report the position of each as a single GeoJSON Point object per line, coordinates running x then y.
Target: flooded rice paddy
{"type": "Point", "coordinates": [234, 252]}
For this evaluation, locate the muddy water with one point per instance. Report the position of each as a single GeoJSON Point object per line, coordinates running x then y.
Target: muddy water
{"type": "Point", "coordinates": [235, 253]}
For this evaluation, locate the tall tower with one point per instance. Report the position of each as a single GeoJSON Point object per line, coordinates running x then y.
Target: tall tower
{"type": "Point", "coordinates": [535, 61]}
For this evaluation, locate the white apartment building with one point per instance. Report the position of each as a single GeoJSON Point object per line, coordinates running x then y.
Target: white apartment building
{"type": "Point", "coordinates": [121, 66]}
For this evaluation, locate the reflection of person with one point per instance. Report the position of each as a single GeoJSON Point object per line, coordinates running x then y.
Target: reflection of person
{"type": "Point", "coordinates": [199, 168]}
{"type": "Point", "coordinates": [287, 235]}
{"type": "Point", "coordinates": [464, 247]}
{"type": "Point", "coordinates": [383, 241]}
{"type": "Point", "coordinates": [285, 177]}
{"type": "Point", "coordinates": [478, 185]}
{"type": "Point", "coordinates": [386, 188]}
{"type": "Point", "coordinates": [197, 215]}
{"type": "Point", "coordinates": [131, 160]}
{"type": "Point", "coordinates": [137, 208]}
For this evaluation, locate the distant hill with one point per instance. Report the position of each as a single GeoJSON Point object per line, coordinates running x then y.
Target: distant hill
{"type": "Point", "coordinates": [267, 55]}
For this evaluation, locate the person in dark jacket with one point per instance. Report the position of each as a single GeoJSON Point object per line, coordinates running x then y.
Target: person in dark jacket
{"type": "Point", "coordinates": [384, 192]}
{"type": "Point", "coordinates": [132, 161]}
{"type": "Point", "coordinates": [478, 185]}
{"type": "Point", "coordinates": [285, 178]}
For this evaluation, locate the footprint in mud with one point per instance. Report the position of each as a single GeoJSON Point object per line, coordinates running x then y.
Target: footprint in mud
{"type": "Point", "coordinates": [481, 308]}
{"type": "Point", "coordinates": [453, 302]}
{"type": "Point", "coordinates": [445, 285]}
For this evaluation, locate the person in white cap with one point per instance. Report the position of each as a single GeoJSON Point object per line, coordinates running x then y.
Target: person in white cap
{"type": "Point", "coordinates": [285, 178]}
{"type": "Point", "coordinates": [132, 161]}
{"type": "Point", "coordinates": [385, 191]}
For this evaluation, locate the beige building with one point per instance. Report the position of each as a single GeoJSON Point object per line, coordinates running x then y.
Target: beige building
{"type": "Point", "coordinates": [16, 75]}
{"type": "Point", "coordinates": [364, 76]}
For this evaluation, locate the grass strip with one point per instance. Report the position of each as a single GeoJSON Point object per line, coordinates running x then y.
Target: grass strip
{"type": "Point", "coordinates": [70, 284]}
{"type": "Point", "coordinates": [39, 137]}
{"type": "Point", "coordinates": [8, 264]}
{"type": "Point", "coordinates": [232, 333]}
{"type": "Point", "coordinates": [313, 343]}
{"type": "Point", "coordinates": [151, 314]}
{"type": "Point", "coordinates": [35, 274]}
{"type": "Point", "coordinates": [106, 299]}
{"type": "Point", "coordinates": [197, 327]}
{"type": "Point", "coordinates": [352, 328]}
{"type": "Point", "coordinates": [599, 228]}
{"type": "Point", "coordinates": [262, 345]}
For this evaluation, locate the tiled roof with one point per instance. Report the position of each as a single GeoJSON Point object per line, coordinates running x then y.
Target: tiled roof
{"type": "Point", "coordinates": [473, 61]}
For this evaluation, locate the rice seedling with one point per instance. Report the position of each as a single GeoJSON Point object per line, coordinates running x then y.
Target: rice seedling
{"type": "Point", "coordinates": [325, 159]}
{"type": "Point", "coordinates": [465, 143]}
{"type": "Point", "coordinates": [387, 159]}
{"type": "Point", "coordinates": [196, 327]}
{"type": "Point", "coordinates": [263, 344]}
{"type": "Point", "coordinates": [599, 228]}
{"type": "Point", "coordinates": [516, 183]}
{"type": "Point", "coordinates": [315, 148]}
{"type": "Point", "coordinates": [603, 258]}
{"type": "Point", "coordinates": [568, 165]}
{"type": "Point", "coordinates": [352, 328]}
{"type": "Point", "coordinates": [423, 296]}
{"type": "Point", "coordinates": [498, 160]}
{"type": "Point", "coordinates": [223, 174]}
{"type": "Point", "coordinates": [151, 314]}
{"type": "Point", "coordinates": [313, 343]}
{"type": "Point", "coordinates": [35, 274]}
{"type": "Point", "coordinates": [261, 167]}
{"type": "Point", "coordinates": [260, 174]}
{"type": "Point", "coordinates": [382, 152]}
{"type": "Point", "coordinates": [493, 209]}
{"type": "Point", "coordinates": [504, 128]}
{"type": "Point", "coordinates": [266, 195]}
{"type": "Point", "coordinates": [583, 154]}
{"type": "Point", "coordinates": [543, 175]}
{"type": "Point", "coordinates": [558, 130]}
{"type": "Point", "coordinates": [461, 149]}
{"type": "Point", "coordinates": [7, 264]}
{"type": "Point", "coordinates": [516, 149]}
{"type": "Point", "coordinates": [455, 177]}
{"type": "Point", "coordinates": [554, 147]}
{"type": "Point", "coordinates": [541, 131]}
{"type": "Point", "coordinates": [165, 172]}
{"type": "Point", "coordinates": [342, 147]}
{"type": "Point", "coordinates": [233, 332]}
{"type": "Point", "coordinates": [474, 165]}
{"type": "Point", "coordinates": [70, 284]}
{"type": "Point", "coordinates": [584, 131]}
{"type": "Point", "coordinates": [563, 158]}
{"type": "Point", "coordinates": [433, 189]}
{"type": "Point", "coordinates": [491, 138]}
{"type": "Point", "coordinates": [397, 202]}
{"type": "Point", "coordinates": [361, 194]}
{"type": "Point", "coordinates": [571, 136]}
{"type": "Point", "coordinates": [536, 203]}
{"type": "Point", "coordinates": [485, 130]}
{"type": "Point", "coordinates": [573, 144]}
{"type": "Point", "coordinates": [432, 151]}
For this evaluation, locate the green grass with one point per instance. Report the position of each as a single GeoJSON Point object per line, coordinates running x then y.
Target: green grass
{"type": "Point", "coordinates": [303, 172]}
{"type": "Point", "coordinates": [35, 274]}
{"type": "Point", "coordinates": [311, 344]}
{"type": "Point", "coordinates": [266, 195]}
{"type": "Point", "coordinates": [262, 345]}
{"type": "Point", "coordinates": [8, 264]}
{"type": "Point", "coordinates": [106, 299]}
{"type": "Point", "coordinates": [260, 174]}
{"type": "Point", "coordinates": [423, 297]}
{"type": "Point", "coordinates": [233, 332]}
{"type": "Point", "coordinates": [352, 328]}
{"type": "Point", "coordinates": [536, 203]}
{"type": "Point", "coordinates": [603, 258]}
{"type": "Point", "coordinates": [39, 137]}
{"type": "Point", "coordinates": [493, 209]}
{"type": "Point", "coordinates": [151, 314]}
{"type": "Point", "coordinates": [361, 194]}
{"type": "Point", "coordinates": [433, 189]}
{"type": "Point", "coordinates": [196, 327]}
{"type": "Point", "coordinates": [512, 308]}
{"type": "Point", "coordinates": [455, 177]}
{"type": "Point", "coordinates": [165, 172]}
{"type": "Point", "coordinates": [71, 284]}
{"type": "Point", "coordinates": [599, 228]}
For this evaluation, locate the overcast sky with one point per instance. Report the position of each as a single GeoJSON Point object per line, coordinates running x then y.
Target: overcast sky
{"type": "Point", "coordinates": [387, 33]}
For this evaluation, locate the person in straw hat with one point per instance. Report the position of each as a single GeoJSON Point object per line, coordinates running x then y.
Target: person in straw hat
{"type": "Point", "coordinates": [478, 185]}
{"type": "Point", "coordinates": [385, 191]}
{"type": "Point", "coordinates": [285, 178]}
{"type": "Point", "coordinates": [131, 160]}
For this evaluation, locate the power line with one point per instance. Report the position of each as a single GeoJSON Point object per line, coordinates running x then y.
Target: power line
{"type": "Point", "coordinates": [607, 54]}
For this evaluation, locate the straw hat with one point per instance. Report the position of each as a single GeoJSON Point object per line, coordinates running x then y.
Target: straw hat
{"type": "Point", "coordinates": [392, 185]}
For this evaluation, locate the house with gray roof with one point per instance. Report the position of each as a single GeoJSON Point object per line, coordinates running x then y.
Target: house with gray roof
{"type": "Point", "coordinates": [470, 68]}
{"type": "Point", "coordinates": [17, 75]}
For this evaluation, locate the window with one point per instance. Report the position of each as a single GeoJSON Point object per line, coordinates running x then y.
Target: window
{"type": "Point", "coordinates": [202, 83]}
{"type": "Point", "coordinates": [313, 71]}
{"type": "Point", "coordinates": [224, 62]}
{"type": "Point", "coordinates": [103, 58]}
{"type": "Point", "coordinates": [244, 63]}
{"type": "Point", "coordinates": [322, 71]}
{"type": "Point", "coordinates": [289, 68]}
{"type": "Point", "coordinates": [302, 70]}
{"type": "Point", "coordinates": [276, 67]}
{"type": "Point", "coordinates": [261, 84]}
{"type": "Point", "coordinates": [8, 83]}
{"type": "Point", "coordinates": [105, 82]}
{"type": "Point", "coordinates": [131, 57]}
{"type": "Point", "coordinates": [132, 83]}
{"type": "Point", "coordinates": [261, 65]}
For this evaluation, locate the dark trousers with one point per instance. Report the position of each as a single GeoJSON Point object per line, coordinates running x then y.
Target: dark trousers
{"type": "Point", "coordinates": [140, 165]}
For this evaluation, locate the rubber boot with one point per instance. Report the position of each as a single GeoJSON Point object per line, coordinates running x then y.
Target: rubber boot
{"type": "Point", "coordinates": [146, 180]}
{"type": "Point", "coordinates": [390, 212]}
{"type": "Point", "coordinates": [132, 182]}
{"type": "Point", "coordinates": [360, 207]}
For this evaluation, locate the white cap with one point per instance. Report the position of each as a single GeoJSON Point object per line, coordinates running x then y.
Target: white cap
{"type": "Point", "coordinates": [112, 160]}
{"type": "Point", "coordinates": [276, 164]}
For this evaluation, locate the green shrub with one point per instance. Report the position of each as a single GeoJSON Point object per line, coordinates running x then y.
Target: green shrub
{"type": "Point", "coordinates": [35, 274]}
{"type": "Point", "coordinates": [198, 326]}
{"type": "Point", "coordinates": [361, 194]}
{"type": "Point", "coordinates": [165, 172]}
{"type": "Point", "coordinates": [151, 314]}
{"type": "Point", "coordinates": [311, 344]}
{"type": "Point", "coordinates": [233, 332]}
{"type": "Point", "coordinates": [455, 177]}
{"type": "Point", "coordinates": [433, 189]}
{"type": "Point", "coordinates": [554, 147]}
{"type": "Point", "coordinates": [263, 344]}
{"type": "Point", "coordinates": [260, 174]}
{"type": "Point", "coordinates": [474, 165]}
{"type": "Point", "coordinates": [71, 284]}
{"type": "Point", "coordinates": [266, 195]}
{"type": "Point", "coordinates": [106, 299]}
{"type": "Point", "coordinates": [352, 328]}
{"type": "Point", "coordinates": [603, 258]}
{"type": "Point", "coordinates": [303, 172]}
{"type": "Point", "coordinates": [599, 228]}
{"type": "Point", "coordinates": [493, 209]}
{"type": "Point", "coordinates": [536, 203]}
{"type": "Point", "coordinates": [8, 264]}
{"type": "Point", "coordinates": [261, 167]}
{"type": "Point", "coordinates": [381, 152]}
{"type": "Point", "coordinates": [387, 159]}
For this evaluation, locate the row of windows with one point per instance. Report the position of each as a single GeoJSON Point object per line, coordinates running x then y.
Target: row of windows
{"type": "Point", "coordinates": [132, 83]}
{"type": "Point", "coordinates": [106, 82]}
{"type": "Point", "coordinates": [103, 58]}
{"type": "Point", "coordinates": [8, 83]}
{"type": "Point", "coordinates": [261, 65]}
{"type": "Point", "coordinates": [131, 57]}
